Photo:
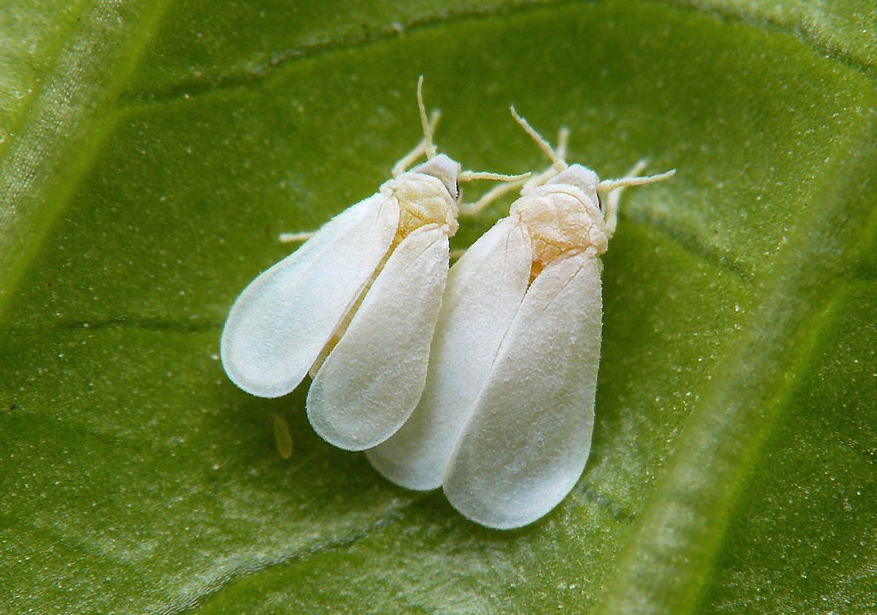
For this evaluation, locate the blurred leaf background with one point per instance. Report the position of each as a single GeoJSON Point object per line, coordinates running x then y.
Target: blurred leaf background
{"type": "Point", "coordinates": [150, 152]}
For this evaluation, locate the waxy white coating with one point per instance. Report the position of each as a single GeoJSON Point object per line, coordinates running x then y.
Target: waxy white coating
{"type": "Point", "coordinates": [356, 306]}
{"type": "Point", "coordinates": [506, 418]}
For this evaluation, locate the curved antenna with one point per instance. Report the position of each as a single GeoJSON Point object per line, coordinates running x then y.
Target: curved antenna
{"type": "Point", "coordinates": [471, 209]}
{"type": "Point", "coordinates": [556, 159]}
{"type": "Point", "coordinates": [510, 182]}
{"type": "Point", "coordinates": [467, 176]}
{"type": "Point", "coordinates": [426, 145]}
{"type": "Point", "coordinates": [428, 124]}
{"type": "Point", "coordinates": [623, 182]}
{"type": "Point", "coordinates": [614, 188]}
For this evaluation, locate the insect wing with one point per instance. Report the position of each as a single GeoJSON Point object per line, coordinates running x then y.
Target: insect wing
{"type": "Point", "coordinates": [485, 289]}
{"type": "Point", "coordinates": [283, 319]}
{"type": "Point", "coordinates": [527, 441]}
{"type": "Point", "coordinates": [371, 381]}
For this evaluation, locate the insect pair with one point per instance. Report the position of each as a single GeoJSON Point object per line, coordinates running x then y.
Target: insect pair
{"type": "Point", "coordinates": [480, 380]}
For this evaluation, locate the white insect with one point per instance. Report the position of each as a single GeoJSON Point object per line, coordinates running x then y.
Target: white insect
{"type": "Point", "coordinates": [356, 305]}
{"type": "Point", "coordinates": [505, 421]}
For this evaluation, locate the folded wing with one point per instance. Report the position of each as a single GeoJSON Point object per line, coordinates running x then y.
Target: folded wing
{"type": "Point", "coordinates": [485, 290]}
{"type": "Point", "coordinates": [283, 319]}
{"type": "Point", "coordinates": [527, 441]}
{"type": "Point", "coordinates": [371, 381]}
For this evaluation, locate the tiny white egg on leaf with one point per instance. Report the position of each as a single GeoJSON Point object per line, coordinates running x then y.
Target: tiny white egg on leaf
{"type": "Point", "coordinates": [356, 306]}
{"type": "Point", "coordinates": [506, 417]}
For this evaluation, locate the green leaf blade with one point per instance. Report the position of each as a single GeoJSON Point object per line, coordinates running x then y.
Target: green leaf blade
{"type": "Point", "coordinates": [138, 479]}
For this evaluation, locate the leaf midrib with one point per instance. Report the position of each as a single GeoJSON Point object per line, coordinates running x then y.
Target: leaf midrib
{"type": "Point", "coordinates": [65, 127]}
{"type": "Point", "coordinates": [732, 427]}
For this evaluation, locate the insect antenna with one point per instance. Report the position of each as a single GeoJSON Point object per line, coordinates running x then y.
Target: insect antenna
{"type": "Point", "coordinates": [614, 187]}
{"type": "Point", "coordinates": [511, 182]}
{"type": "Point", "coordinates": [607, 185]}
{"type": "Point", "coordinates": [556, 158]}
{"type": "Point", "coordinates": [426, 146]}
{"type": "Point", "coordinates": [428, 124]}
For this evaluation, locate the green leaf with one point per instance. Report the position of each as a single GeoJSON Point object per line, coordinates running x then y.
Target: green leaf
{"type": "Point", "coordinates": [150, 152]}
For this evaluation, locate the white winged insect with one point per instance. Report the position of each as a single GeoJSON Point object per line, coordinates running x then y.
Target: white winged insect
{"type": "Point", "coordinates": [356, 305]}
{"type": "Point", "coordinates": [505, 421]}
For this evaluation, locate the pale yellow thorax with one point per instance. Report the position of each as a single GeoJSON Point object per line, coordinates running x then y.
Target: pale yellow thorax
{"type": "Point", "coordinates": [422, 199]}
{"type": "Point", "coordinates": [561, 219]}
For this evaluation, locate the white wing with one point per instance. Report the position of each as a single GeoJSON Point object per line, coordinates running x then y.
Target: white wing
{"type": "Point", "coordinates": [283, 319]}
{"type": "Point", "coordinates": [529, 436]}
{"type": "Point", "coordinates": [372, 379]}
{"type": "Point", "coordinates": [485, 289]}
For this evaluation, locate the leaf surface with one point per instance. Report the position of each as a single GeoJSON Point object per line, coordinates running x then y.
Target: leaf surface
{"type": "Point", "coordinates": [150, 154]}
